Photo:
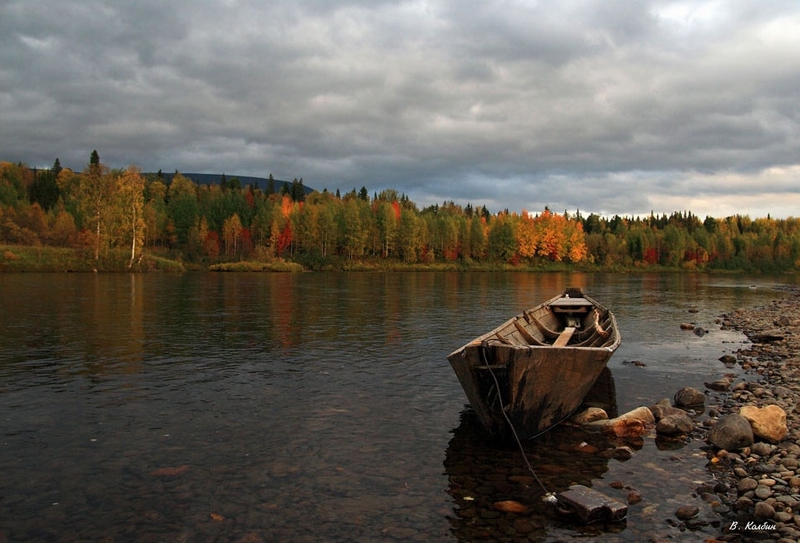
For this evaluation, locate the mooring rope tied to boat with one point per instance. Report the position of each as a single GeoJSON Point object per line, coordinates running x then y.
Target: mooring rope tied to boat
{"type": "Point", "coordinates": [549, 496]}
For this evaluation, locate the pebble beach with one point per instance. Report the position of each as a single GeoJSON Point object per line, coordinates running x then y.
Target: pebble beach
{"type": "Point", "coordinates": [756, 482]}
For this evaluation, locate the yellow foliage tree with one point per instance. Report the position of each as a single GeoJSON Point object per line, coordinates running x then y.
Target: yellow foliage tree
{"type": "Point", "coordinates": [231, 234]}
{"type": "Point", "coordinates": [130, 197]}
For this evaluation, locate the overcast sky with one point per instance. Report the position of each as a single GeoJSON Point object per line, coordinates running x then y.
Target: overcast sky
{"type": "Point", "coordinates": [605, 106]}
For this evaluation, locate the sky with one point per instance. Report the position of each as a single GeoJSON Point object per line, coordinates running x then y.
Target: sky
{"type": "Point", "coordinates": [598, 106]}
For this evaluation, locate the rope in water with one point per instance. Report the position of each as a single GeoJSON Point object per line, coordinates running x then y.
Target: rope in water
{"type": "Point", "coordinates": [548, 494]}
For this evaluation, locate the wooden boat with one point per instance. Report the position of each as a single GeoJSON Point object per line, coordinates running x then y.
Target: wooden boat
{"type": "Point", "coordinates": [537, 366]}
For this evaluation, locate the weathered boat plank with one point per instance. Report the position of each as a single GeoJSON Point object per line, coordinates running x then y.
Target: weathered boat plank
{"type": "Point", "coordinates": [564, 337]}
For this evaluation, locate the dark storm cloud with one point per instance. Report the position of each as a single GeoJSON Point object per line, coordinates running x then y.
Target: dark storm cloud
{"type": "Point", "coordinates": [603, 106]}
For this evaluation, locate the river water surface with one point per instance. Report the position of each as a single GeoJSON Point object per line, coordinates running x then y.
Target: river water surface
{"type": "Point", "coordinates": [320, 407]}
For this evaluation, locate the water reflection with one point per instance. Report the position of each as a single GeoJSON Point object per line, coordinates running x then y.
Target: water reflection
{"type": "Point", "coordinates": [311, 407]}
{"type": "Point", "coordinates": [482, 473]}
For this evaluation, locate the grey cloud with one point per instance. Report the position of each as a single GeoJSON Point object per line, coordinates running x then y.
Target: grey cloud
{"type": "Point", "coordinates": [594, 105]}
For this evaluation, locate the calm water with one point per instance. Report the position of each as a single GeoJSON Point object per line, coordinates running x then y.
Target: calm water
{"type": "Point", "coordinates": [316, 407]}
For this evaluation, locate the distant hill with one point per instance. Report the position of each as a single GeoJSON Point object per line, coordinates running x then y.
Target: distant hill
{"type": "Point", "coordinates": [244, 180]}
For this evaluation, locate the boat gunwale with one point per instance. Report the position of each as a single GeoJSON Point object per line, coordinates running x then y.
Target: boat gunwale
{"type": "Point", "coordinates": [478, 341]}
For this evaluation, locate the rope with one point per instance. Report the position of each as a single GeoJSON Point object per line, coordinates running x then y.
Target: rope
{"type": "Point", "coordinates": [548, 495]}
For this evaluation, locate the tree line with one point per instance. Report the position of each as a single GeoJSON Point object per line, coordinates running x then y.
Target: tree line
{"type": "Point", "coordinates": [100, 209]}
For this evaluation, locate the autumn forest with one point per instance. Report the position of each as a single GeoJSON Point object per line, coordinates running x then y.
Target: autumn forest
{"type": "Point", "coordinates": [126, 219]}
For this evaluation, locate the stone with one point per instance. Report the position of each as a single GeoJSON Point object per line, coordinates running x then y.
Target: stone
{"type": "Point", "coordinates": [768, 422]}
{"type": "Point", "coordinates": [689, 397]}
{"type": "Point", "coordinates": [687, 511]}
{"type": "Point", "coordinates": [761, 448]}
{"type": "Point", "coordinates": [747, 484]}
{"type": "Point", "coordinates": [783, 516]}
{"type": "Point", "coordinates": [619, 453]}
{"type": "Point", "coordinates": [634, 496]}
{"type": "Point", "coordinates": [720, 385]}
{"type": "Point", "coordinates": [510, 506]}
{"type": "Point", "coordinates": [764, 510]}
{"type": "Point", "coordinates": [767, 337]}
{"type": "Point", "coordinates": [732, 432]}
{"type": "Point", "coordinates": [763, 492]}
{"type": "Point", "coordinates": [634, 423]}
{"type": "Point", "coordinates": [591, 414]}
{"type": "Point", "coordinates": [728, 359]}
{"type": "Point", "coordinates": [642, 414]}
{"type": "Point", "coordinates": [624, 428]}
{"type": "Point", "coordinates": [783, 321]}
{"type": "Point", "coordinates": [675, 424]}
{"type": "Point", "coordinates": [664, 408]}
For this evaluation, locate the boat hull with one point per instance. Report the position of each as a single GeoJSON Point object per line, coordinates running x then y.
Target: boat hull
{"type": "Point", "coordinates": [537, 385]}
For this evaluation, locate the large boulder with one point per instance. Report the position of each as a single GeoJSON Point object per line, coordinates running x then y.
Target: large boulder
{"type": "Point", "coordinates": [732, 432]}
{"type": "Point", "coordinates": [689, 397]}
{"type": "Point", "coordinates": [767, 423]}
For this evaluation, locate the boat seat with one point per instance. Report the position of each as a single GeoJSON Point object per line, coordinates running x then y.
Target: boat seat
{"type": "Point", "coordinates": [564, 336]}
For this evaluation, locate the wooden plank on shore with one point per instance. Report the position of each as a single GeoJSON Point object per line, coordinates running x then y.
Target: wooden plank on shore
{"type": "Point", "coordinates": [590, 505]}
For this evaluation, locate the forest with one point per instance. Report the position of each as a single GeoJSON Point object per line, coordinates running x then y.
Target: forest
{"type": "Point", "coordinates": [102, 212]}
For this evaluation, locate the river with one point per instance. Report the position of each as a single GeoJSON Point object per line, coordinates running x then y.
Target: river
{"type": "Point", "coordinates": [319, 406]}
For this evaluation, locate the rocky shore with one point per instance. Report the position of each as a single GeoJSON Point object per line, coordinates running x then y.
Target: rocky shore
{"type": "Point", "coordinates": [749, 420]}
{"type": "Point", "coordinates": [757, 488]}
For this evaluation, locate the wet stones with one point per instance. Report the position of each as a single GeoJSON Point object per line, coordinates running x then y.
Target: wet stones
{"type": "Point", "coordinates": [732, 432]}
{"type": "Point", "coordinates": [689, 397]}
{"type": "Point", "coordinates": [675, 424]}
{"type": "Point", "coordinates": [720, 385]}
{"type": "Point", "coordinates": [664, 408]}
{"type": "Point", "coordinates": [632, 424]}
{"type": "Point", "coordinates": [766, 474]}
{"type": "Point", "coordinates": [687, 512]}
{"type": "Point", "coordinates": [728, 359]}
{"type": "Point", "coordinates": [592, 414]}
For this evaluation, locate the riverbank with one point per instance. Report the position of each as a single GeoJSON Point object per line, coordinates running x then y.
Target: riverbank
{"type": "Point", "coordinates": [757, 490]}
{"type": "Point", "coordinates": [42, 258]}
{"type": "Point", "coordinates": [48, 259]}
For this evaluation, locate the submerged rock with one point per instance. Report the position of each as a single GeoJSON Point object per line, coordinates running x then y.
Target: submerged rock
{"type": "Point", "coordinates": [687, 511]}
{"type": "Point", "coordinates": [675, 424]}
{"type": "Point", "coordinates": [510, 506]}
{"type": "Point", "coordinates": [664, 408]}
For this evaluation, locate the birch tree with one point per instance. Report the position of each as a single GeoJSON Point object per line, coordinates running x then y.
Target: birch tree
{"type": "Point", "coordinates": [95, 191]}
{"type": "Point", "coordinates": [130, 192]}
